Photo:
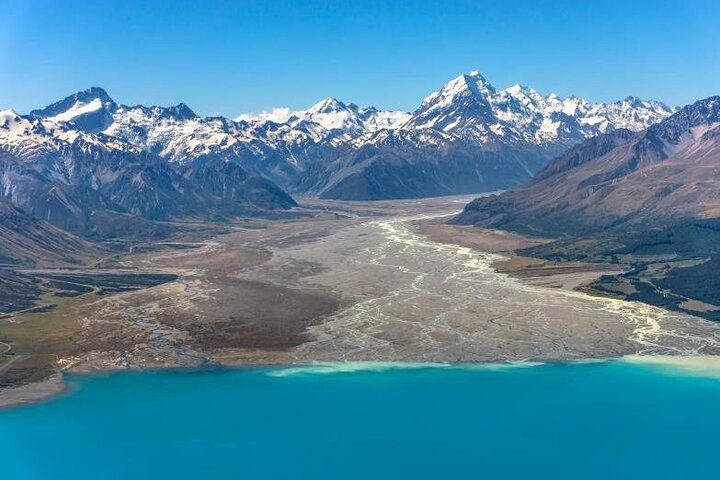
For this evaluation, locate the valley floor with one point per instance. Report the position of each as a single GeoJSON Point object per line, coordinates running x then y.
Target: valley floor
{"type": "Point", "coordinates": [355, 281]}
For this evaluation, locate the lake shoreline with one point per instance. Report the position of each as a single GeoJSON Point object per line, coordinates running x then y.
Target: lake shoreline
{"type": "Point", "coordinates": [32, 393]}
{"type": "Point", "coordinates": [707, 366]}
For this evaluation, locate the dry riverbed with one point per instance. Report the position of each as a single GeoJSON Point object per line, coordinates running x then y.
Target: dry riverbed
{"type": "Point", "coordinates": [356, 281]}
{"type": "Point", "coordinates": [533, 271]}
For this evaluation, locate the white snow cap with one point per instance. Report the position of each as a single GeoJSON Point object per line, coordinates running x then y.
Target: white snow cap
{"type": "Point", "coordinates": [469, 106]}
{"type": "Point", "coordinates": [8, 116]}
{"type": "Point", "coordinates": [277, 115]}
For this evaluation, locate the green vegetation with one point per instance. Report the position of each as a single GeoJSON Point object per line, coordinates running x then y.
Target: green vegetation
{"type": "Point", "coordinates": [675, 267]}
{"type": "Point", "coordinates": [701, 282]}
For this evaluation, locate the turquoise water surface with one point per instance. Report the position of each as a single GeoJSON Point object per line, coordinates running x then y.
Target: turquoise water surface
{"type": "Point", "coordinates": [609, 420]}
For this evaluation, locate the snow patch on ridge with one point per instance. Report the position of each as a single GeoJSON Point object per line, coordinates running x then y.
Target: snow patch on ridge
{"type": "Point", "coordinates": [78, 109]}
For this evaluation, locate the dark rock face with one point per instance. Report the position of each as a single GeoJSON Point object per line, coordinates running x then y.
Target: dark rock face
{"type": "Point", "coordinates": [703, 112]}
{"type": "Point", "coordinates": [375, 173]}
{"type": "Point", "coordinates": [228, 182]}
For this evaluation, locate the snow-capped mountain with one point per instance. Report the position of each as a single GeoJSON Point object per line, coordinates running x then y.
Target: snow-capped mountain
{"type": "Point", "coordinates": [30, 138]}
{"type": "Point", "coordinates": [467, 137]}
{"type": "Point", "coordinates": [332, 114]}
{"type": "Point", "coordinates": [470, 136]}
{"type": "Point", "coordinates": [662, 175]}
{"type": "Point", "coordinates": [185, 137]}
{"type": "Point", "coordinates": [470, 107]}
{"type": "Point", "coordinates": [97, 184]}
{"type": "Point", "coordinates": [278, 151]}
{"type": "Point", "coordinates": [90, 110]}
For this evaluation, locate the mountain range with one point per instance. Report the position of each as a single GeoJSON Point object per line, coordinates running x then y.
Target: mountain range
{"type": "Point", "coordinates": [98, 185]}
{"type": "Point", "coordinates": [93, 166]}
{"type": "Point", "coordinates": [664, 174]}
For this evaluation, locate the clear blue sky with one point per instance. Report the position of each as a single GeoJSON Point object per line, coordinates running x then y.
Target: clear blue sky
{"type": "Point", "coordinates": [231, 57]}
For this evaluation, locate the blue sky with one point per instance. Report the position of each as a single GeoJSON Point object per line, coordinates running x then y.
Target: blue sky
{"type": "Point", "coordinates": [223, 57]}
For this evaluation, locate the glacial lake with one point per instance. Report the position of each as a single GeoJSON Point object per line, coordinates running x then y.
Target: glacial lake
{"type": "Point", "coordinates": [597, 420]}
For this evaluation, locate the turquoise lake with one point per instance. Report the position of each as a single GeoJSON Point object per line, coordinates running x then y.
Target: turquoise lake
{"type": "Point", "coordinates": [607, 420]}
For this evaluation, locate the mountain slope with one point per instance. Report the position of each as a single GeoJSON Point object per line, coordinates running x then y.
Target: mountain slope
{"type": "Point", "coordinates": [409, 164]}
{"type": "Point", "coordinates": [664, 174]}
{"type": "Point", "coordinates": [25, 240]}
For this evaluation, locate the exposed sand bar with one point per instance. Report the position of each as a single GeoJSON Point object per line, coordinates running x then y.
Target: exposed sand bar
{"type": "Point", "coordinates": [32, 392]}
{"type": "Point", "coordinates": [696, 365]}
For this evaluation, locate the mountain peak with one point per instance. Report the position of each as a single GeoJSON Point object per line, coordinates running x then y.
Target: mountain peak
{"type": "Point", "coordinates": [8, 119]}
{"type": "Point", "coordinates": [181, 112]}
{"type": "Point", "coordinates": [515, 88]}
{"type": "Point", "coordinates": [472, 86]}
{"type": "Point", "coordinates": [472, 81]}
{"type": "Point", "coordinates": [327, 105]}
{"type": "Point", "coordinates": [93, 93]}
{"type": "Point", "coordinates": [476, 76]}
{"type": "Point", "coordinates": [520, 90]}
{"type": "Point", "coordinates": [462, 101]}
{"type": "Point", "coordinates": [90, 110]}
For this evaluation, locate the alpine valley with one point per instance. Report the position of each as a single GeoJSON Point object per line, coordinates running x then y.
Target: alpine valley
{"type": "Point", "coordinates": [146, 236]}
{"type": "Point", "coordinates": [86, 162]}
{"type": "Point", "coordinates": [306, 240]}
